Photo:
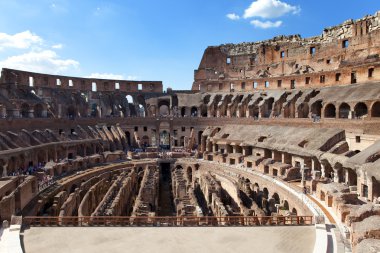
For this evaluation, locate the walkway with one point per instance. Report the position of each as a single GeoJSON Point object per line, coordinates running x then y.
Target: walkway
{"type": "Point", "coordinates": [170, 239]}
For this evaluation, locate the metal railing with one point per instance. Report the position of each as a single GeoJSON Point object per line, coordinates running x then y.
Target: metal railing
{"type": "Point", "coordinates": [175, 221]}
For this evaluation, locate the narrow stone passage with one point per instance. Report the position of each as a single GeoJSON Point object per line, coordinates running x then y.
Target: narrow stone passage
{"type": "Point", "coordinates": [165, 199]}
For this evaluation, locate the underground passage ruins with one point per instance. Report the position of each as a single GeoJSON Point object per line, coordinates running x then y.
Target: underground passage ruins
{"type": "Point", "coordinates": [282, 134]}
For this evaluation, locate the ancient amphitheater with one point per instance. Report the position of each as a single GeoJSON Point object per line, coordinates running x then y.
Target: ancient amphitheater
{"type": "Point", "coordinates": [274, 149]}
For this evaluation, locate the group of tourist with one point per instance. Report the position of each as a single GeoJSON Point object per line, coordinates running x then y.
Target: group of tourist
{"type": "Point", "coordinates": [44, 179]}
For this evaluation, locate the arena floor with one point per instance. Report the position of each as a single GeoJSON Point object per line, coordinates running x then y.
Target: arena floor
{"type": "Point", "coordinates": [170, 240]}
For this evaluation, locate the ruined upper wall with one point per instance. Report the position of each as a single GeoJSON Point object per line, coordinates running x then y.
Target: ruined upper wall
{"type": "Point", "coordinates": [25, 78]}
{"type": "Point", "coordinates": [342, 54]}
{"type": "Point", "coordinates": [347, 29]}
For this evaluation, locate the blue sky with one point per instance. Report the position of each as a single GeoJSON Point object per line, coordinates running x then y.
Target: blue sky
{"type": "Point", "coordinates": [151, 40]}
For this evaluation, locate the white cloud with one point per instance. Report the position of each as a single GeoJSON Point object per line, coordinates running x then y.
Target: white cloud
{"type": "Point", "coordinates": [22, 40]}
{"type": "Point", "coordinates": [266, 24]}
{"type": "Point", "coordinates": [269, 9]}
{"type": "Point", "coordinates": [44, 61]}
{"type": "Point", "coordinates": [233, 16]}
{"type": "Point", "coordinates": [132, 78]}
{"type": "Point", "coordinates": [57, 46]}
{"type": "Point", "coordinates": [106, 76]}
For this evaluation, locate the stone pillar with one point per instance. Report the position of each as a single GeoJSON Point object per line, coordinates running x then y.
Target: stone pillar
{"type": "Point", "coordinates": [323, 171]}
{"type": "Point", "coordinates": [347, 177]}
{"type": "Point", "coordinates": [229, 112]}
{"type": "Point", "coordinates": [302, 169]}
{"type": "Point", "coordinates": [218, 113]}
{"type": "Point", "coordinates": [44, 114]}
{"type": "Point", "coordinates": [350, 114]}
{"type": "Point", "coordinates": [3, 112]}
{"type": "Point", "coordinates": [336, 176]}
{"type": "Point", "coordinates": [15, 113]}
{"type": "Point", "coordinates": [31, 113]}
{"type": "Point", "coordinates": [5, 170]}
{"type": "Point", "coordinates": [313, 168]}
{"type": "Point", "coordinates": [59, 111]}
{"type": "Point", "coordinates": [283, 158]}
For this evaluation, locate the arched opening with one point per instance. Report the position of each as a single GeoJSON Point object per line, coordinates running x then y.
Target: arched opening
{"type": "Point", "coordinates": [145, 141]}
{"type": "Point", "coordinates": [286, 205]}
{"type": "Point", "coordinates": [360, 110]}
{"type": "Point", "coordinates": [294, 211]}
{"type": "Point", "coordinates": [204, 110]}
{"type": "Point", "coordinates": [316, 108]}
{"type": "Point", "coordinates": [276, 198]}
{"type": "Point", "coordinates": [183, 111]}
{"type": "Point", "coordinates": [200, 137]}
{"type": "Point", "coordinates": [73, 187]}
{"type": "Point", "coordinates": [128, 136]}
{"type": "Point", "coordinates": [194, 111]}
{"type": "Point", "coordinates": [165, 140]}
{"type": "Point", "coordinates": [71, 112]}
{"type": "Point", "coordinates": [94, 110]}
{"type": "Point", "coordinates": [25, 110]}
{"type": "Point", "coordinates": [330, 111]}
{"type": "Point", "coordinates": [141, 111]}
{"type": "Point", "coordinates": [344, 111]}
{"type": "Point", "coordinates": [303, 110]}
{"type": "Point", "coordinates": [265, 193]}
{"type": "Point", "coordinates": [375, 111]}
{"type": "Point", "coordinates": [267, 108]}
{"type": "Point", "coordinates": [38, 111]}
{"type": "Point", "coordinates": [129, 99]}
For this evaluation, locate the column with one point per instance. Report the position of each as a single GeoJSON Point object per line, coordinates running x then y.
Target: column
{"type": "Point", "coordinates": [323, 171]}
{"type": "Point", "coordinates": [336, 176]}
{"type": "Point", "coordinates": [302, 174]}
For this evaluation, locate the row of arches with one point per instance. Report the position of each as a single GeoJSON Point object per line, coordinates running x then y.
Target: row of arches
{"type": "Point", "coordinates": [343, 111]}
{"type": "Point", "coordinates": [360, 110]}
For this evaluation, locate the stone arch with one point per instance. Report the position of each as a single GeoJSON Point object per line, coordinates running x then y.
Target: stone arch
{"type": "Point", "coordinates": [128, 136]}
{"type": "Point", "coordinates": [38, 111]}
{"type": "Point", "coordinates": [344, 111]}
{"type": "Point", "coordinates": [24, 110]}
{"type": "Point", "coordinates": [360, 109]}
{"type": "Point", "coordinates": [276, 198]}
{"type": "Point", "coordinates": [375, 109]}
{"type": "Point", "coordinates": [129, 99]}
{"type": "Point", "coordinates": [267, 107]}
{"type": "Point", "coordinates": [286, 205]}
{"type": "Point", "coordinates": [265, 192]}
{"type": "Point", "coordinates": [316, 108]}
{"type": "Point", "coordinates": [194, 111]}
{"type": "Point", "coordinates": [164, 108]}
{"type": "Point", "coordinates": [183, 111]}
{"type": "Point", "coordinates": [330, 111]}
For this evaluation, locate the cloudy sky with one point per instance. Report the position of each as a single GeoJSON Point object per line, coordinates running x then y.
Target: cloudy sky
{"type": "Point", "coordinates": [151, 39]}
